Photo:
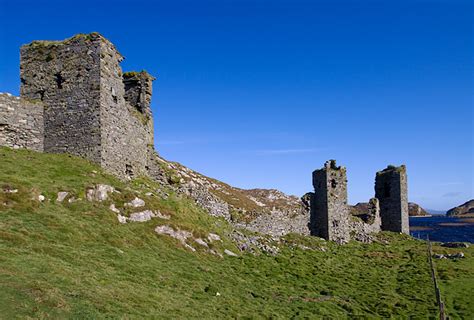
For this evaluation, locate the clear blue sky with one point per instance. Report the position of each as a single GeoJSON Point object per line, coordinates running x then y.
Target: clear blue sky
{"type": "Point", "coordinates": [261, 93]}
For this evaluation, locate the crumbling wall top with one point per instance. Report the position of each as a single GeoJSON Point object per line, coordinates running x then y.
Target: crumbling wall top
{"type": "Point", "coordinates": [85, 37]}
{"type": "Point", "coordinates": [392, 168]}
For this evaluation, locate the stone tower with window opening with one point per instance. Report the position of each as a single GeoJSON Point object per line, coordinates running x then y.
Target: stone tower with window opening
{"type": "Point", "coordinates": [329, 217]}
{"type": "Point", "coordinates": [90, 108]}
{"type": "Point", "coordinates": [391, 190]}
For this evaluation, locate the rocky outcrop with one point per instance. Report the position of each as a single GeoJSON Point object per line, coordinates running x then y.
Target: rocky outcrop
{"type": "Point", "coordinates": [268, 211]}
{"type": "Point", "coordinates": [465, 208]}
{"type": "Point", "coordinates": [415, 210]}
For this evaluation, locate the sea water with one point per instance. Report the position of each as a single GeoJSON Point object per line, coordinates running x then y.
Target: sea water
{"type": "Point", "coordinates": [442, 228]}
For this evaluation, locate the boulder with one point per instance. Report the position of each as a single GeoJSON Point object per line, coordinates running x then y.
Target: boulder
{"type": "Point", "coordinates": [135, 203]}
{"type": "Point", "coordinates": [141, 216]}
{"type": "Point", "coordinates": [99, 192]}
{"type": "Point", "coordinates": [61, 196]}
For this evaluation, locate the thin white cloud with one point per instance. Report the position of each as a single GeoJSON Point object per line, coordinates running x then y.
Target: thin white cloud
{"type": "Point", "coordinates": [284, 151]}
{"type": "Point", "coordinates": [452, 194]}
{"type": "Point", "coordinates": [441, 184]}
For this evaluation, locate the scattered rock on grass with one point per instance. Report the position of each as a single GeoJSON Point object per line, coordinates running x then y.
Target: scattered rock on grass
{"type": "Point", "coordinates": [141, 216]}
{"type": "Point", "coordinates": [230, 253]}
{"type": "Point", "coordinates": [135, 203]}
{"type": "Point", "coordinates": [213, 237]}
{"type": "Point", "coordinates": [458, 255]}
{"type": "Point", "coordinates": [99, 192]}
{"type": "Point", "coordinates": [180, 235]}
{"type": "Point", "coordinates": [61, 196]}
{"type": "Point", "coordinates": [455, 245]}
{"type": "Point", "coordinates": [121, 218]}
{"type": "Point", "coordinates": [113, 208]}
{"type": "Point", "coordinates": [201, 242]}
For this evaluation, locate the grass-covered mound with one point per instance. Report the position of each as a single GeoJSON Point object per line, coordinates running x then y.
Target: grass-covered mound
{"type": "Point", "coordinates": [75, 260]}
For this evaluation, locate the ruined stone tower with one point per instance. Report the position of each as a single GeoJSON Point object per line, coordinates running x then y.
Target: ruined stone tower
{"type": "Point", "coordinates": [90, 108]}
{"type": "Point", "coordinates": [391, 190]}
{"type": "Point", "coordinates": [329, 211]}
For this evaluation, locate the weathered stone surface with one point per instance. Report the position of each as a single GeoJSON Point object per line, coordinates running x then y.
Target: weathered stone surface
{"type": "Point", "coordinates": [329, 210]}
{"type": "Point", "coordinates": [135, 203]}
{"type": "Point", "coordinates": [141, 216]}
{"type": "Point", "coordinates": [121, 218]}
{"type": "Point", "coordinates": [201, 242]}
{"type": "Point", "coordinates": [21, 123]}
{"type": "Point", "coordinates": [213, 237]}
{"type": "Point", "coordinates": [365, 224]}
{"type": "Point", "coordinates": [180, 235]}
{"type": "Point", "coordinates": [61, 196]}
{"type": "Point", "coordinates": [99, 192]}
{"type": "Point", "coordinates": [230, 253]}
{"type": "Point", "coordinates": [87, 108]}
{"type": "Point", "coordinates": [113, 208]}
{"type": "Point", "coordinates": [205, 199]}
{"type": "Point", "coordinates": [391, 190]}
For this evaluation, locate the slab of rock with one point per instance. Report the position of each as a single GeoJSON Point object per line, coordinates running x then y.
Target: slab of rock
{"type": "Point", "coordinates": [455, 245]}
{"type": "Point", "coordinates": [135, 203]}
{"type": "Point", "coordinates": [230, 253]}
{"type": "Point", "coordinates": [141, 216]}
{"type": "Point", "coordinates": [160, 215]}
{"type": "Point", "coordinates": [121, 218]}
{"type": "Point", "coordinates": [113, 208]}
{"type": "Point", "coordinates": [61, 196]}
{"type": "Point", "coordinates": [180, 235]}
{"type": "Point", "coordinates": [213, 237]}
{"type": "Point", "coordinates": [201, 242]}
{"type": "Point", "coordinates": [99, 192]}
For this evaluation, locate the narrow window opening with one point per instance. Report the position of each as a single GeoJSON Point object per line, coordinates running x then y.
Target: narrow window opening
{"type": "Point", "coordinates": [59, 80]}
{"type": "Point", "coordinates": [386, 190]}
{"type": "Point", "coordinates": [41, 94]}
{"type": "Point", "coordinates": [129, 170]}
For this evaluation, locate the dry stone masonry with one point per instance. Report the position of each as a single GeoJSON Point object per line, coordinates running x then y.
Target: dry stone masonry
{"type": "Point", "coordinates": [90, 108]}
{"type": "Point", "coordinates": [391, 190]}
{"type": "Point", "coordinates": [21, 123]}
{"type": "Point", "coordinates": [329, 209]}
{"type": "Point", "coordinates": [75, 99]}
{"type": "Point", "coordinates": [330, 215]}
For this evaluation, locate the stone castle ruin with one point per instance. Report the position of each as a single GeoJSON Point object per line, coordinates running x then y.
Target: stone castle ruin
{"type": "Point", "coordinates": [75, 99]}
{"type": "Point", "coordinates": [330, 216]}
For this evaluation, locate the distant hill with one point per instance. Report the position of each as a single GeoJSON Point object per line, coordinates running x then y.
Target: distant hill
{"type": "Point", "coordinates": [432, 211]}
{"type": "Point", "coordinates": [465, 208]}
{"type": "Point", "coordinates": [414, 210]}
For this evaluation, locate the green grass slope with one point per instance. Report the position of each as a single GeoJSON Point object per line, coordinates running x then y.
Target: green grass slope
{"type": "Point", "coordinates": [75, 260]}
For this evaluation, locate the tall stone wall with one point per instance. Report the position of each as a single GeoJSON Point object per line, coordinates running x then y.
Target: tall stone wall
{"type": "Point", "coordinates": [126, 130]}
{"type": "Point", "coordinates": [391, 190]}
{"type": "Point", "coordinates": [363, 226]}
{"type": "Point", "coordinates": [65, 75]}
{"type": "Point", "coordinates": [21, 123]}
{"type": "Point", "coordinates": [329, 216]}
{"type": "Point", "coordinates": [81, 84]}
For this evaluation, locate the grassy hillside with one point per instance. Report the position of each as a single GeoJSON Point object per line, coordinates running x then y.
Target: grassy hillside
{"type": "Point", "coordinates": [75, 260]}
